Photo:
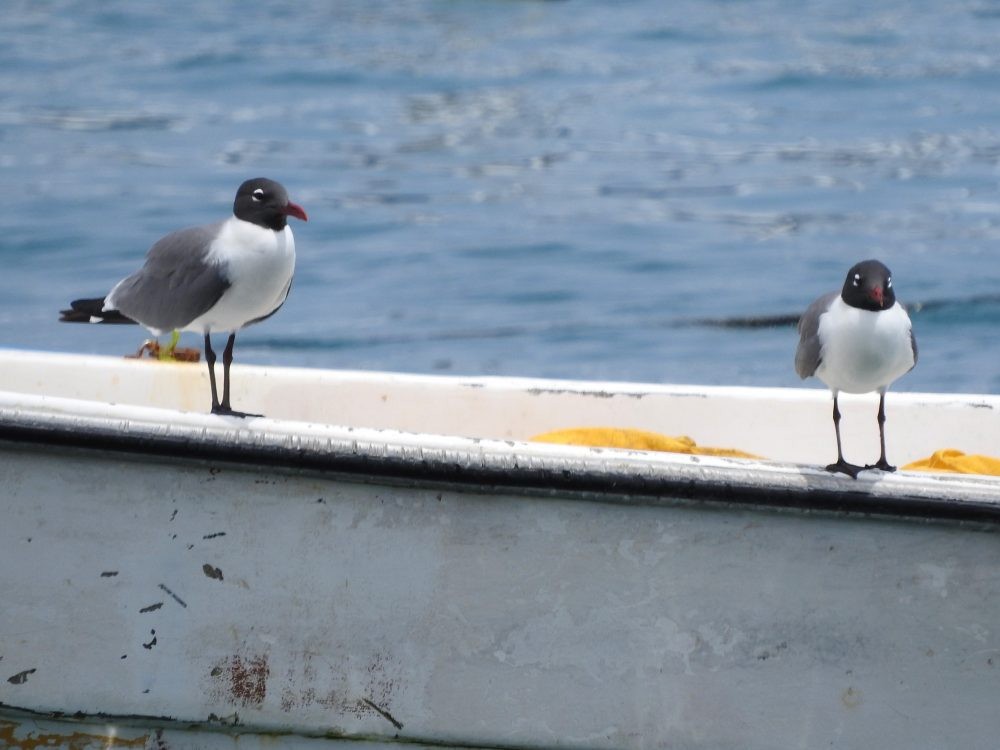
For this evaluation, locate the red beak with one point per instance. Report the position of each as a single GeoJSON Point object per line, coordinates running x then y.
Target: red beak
{"type": "Point", "coordinates": [877, 295]}
{"type": "Point", "coordinates": [293, 209]}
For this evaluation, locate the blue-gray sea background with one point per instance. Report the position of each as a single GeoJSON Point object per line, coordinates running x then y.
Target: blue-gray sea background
{"type": "Point", "coordinates": [509, 187]}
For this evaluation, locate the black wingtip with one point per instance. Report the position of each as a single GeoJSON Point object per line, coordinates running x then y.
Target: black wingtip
{"type": "Point", "coordinates": [91, 311]}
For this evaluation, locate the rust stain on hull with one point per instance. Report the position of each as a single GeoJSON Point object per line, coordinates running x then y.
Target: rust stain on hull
{"type": "Point", "coordinates": [242, 680]}
{"type": "Point", "coordinates": [332, 686]}
{"type": "Point", "coordinates": [75, 740]}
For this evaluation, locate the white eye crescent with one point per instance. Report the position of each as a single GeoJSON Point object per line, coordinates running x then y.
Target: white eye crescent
{"type": "Point", "coordinates": [888, 283]}
{"type": "Point", "coordinates": [857, 279]}
{"type": "Point", "coordinates": [258, 195]}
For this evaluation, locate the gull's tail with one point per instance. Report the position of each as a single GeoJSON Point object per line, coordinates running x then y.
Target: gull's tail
{"type": "Point", "coordinates": [91, 311]}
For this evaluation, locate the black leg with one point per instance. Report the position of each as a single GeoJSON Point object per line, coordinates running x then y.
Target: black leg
{"type": "Point", "coordinates": [882, 463]}
{"type": "Point", "coordinates": [227, 359]}
{"type": "Point", "coordinates": [841, 466]}
{"type": "Point", "coordinates": [210, 359]}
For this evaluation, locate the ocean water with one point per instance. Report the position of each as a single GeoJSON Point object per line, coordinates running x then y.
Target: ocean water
{"type": "Point", "coordinates": [566, 189]}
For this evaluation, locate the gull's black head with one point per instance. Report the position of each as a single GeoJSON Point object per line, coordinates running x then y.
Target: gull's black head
{"type": "Point", "coordinates": [265, 202]}
{"type": "Point", "coordinates": [868, 286]}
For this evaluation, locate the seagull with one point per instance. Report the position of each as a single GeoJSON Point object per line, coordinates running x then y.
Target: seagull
{"type": "Point", "coordinates": [216, 278]}
{"type": "Point", "coordinates": [857, 341]}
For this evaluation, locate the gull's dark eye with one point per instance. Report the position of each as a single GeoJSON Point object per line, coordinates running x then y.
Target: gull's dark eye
{"type": "Point", "coordinates": [857, 279]}
{"type": "Point", "coordinates": [258, 195]}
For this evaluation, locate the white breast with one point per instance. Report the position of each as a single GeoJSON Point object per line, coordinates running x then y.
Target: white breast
{"type": "Point", "coordinates": [259, 264]}
{"type": "Point", "coordinates": [863, 350]}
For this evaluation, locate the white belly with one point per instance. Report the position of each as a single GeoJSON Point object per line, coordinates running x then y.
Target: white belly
{"type": "Point", "coordinates": [862, 350]}
{"type": "Point", "coordinates": [259, 264]}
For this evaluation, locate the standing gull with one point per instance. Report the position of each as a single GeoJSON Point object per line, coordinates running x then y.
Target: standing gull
{"type": "Point", "coordinates": [857, 341]}
{"type": "Point", "coordinates": [209, 279]}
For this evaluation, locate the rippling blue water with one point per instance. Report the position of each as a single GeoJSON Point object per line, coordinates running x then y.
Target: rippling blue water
{"type": "Point", "coordinates": [524, 188]}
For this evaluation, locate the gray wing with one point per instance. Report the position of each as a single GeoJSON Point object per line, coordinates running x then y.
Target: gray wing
{"type": "Point", "coordinates": [913, 344]}
{"type": "Point", "coordinates": [176, 284]}
{"type": "Point", "coordinates": [808, 355]}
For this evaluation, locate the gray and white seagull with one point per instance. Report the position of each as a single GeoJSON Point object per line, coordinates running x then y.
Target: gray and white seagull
{"type": "Point", "coordinates": [217, 278]}
{"type": "Point", "coordinates": [857, 341]}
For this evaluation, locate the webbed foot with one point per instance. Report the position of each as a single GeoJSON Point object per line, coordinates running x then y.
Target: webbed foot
{"type": "Point", "coordinates": [225, 411]}
{"type": "Point", "coordinates": [842, 467]}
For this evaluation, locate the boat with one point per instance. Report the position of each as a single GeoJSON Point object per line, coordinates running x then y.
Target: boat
{"type": "Point", "coordinates": [389, 558]}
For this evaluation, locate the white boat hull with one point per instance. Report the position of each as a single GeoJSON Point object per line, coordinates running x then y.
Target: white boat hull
{"type": "Point", "coordinates": [194, 581]}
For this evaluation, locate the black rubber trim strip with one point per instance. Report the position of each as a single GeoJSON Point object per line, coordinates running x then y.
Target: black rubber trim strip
{"type": "Point", "coordinates": [535, 480]}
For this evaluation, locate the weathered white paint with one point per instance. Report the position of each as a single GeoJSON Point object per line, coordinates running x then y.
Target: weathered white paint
{"type": "Point", "coordinates": [307, 604]}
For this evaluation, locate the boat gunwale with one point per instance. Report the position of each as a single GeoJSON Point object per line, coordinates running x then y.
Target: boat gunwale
{"type": "Point", "coordinates": [810, 392]}
{"type": "Point", "coordinates": [489, 465]}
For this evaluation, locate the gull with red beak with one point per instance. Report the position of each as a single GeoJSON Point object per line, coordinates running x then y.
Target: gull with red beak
{"type": "Point", "coordinates": [217, 278]}
{"type": "Point", "coordinates": [857, 341]}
